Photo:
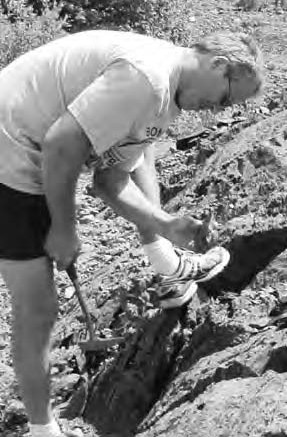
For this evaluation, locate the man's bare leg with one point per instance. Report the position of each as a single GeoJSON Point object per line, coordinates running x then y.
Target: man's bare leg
{"type": "Point", "coordinates": [34, 307]}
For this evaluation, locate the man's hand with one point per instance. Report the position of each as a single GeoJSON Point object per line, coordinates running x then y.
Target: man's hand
{"type": "Point", "coordinates": [207, 236]}
{"type": "Point", "coordinates": [190, 233]}
{"type": "Point", "coordinates": [182, 231]}
{"type": "Point", "coordinates": [62, 245]}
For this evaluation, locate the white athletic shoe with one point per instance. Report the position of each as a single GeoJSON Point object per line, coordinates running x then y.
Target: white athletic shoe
{"type": "Point", "coordinates": [178, 289]}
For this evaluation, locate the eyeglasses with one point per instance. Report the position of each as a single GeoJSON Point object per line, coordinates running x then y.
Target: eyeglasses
{"type": "Point", "coordinates": [226, 100]}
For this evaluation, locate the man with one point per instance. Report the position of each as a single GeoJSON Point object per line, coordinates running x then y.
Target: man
{"type": "Point", "coordinates": [102, 97]}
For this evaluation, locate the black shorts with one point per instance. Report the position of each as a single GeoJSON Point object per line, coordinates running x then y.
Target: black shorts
{"type": "Point", "coordinates": [24, 224]}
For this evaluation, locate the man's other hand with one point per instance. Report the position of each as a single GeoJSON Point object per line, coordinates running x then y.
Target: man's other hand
{"type": "Point", "coordinates": [190, 233]}
{"type": "Point", "coordinates": [63, 246]}
{"type": "Point", "coordinates": [182, 231]}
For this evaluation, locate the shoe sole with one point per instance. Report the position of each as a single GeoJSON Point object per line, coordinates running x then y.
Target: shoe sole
{"type": "Point", "coordinates": [73, 434]}
{"type": "Point", "coordinates": [180, 301]}
{"type": "Point", "coordinates": [217, 269]}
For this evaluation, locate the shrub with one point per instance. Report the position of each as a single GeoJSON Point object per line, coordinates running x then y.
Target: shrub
{"type": "Point", "coordinates": [22, 30]}
{"type": "Point", "coordinates": [169, 19]}
{"type": "Point", "coordinates": [161, 18]}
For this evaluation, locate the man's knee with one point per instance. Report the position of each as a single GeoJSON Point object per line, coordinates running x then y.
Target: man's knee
{"type": "Point", "coordinates": [32, 289]}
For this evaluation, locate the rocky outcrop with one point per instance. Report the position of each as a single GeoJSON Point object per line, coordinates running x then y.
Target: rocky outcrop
{"type": "Point", "coordinates": [237, 407]}
{"type": "Point", "coordinates": [219, 366]}
{"type": "Point", "coordinates": [244, 184]}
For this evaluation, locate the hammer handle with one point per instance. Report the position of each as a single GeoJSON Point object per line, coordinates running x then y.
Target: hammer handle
{"type": "Point", "coordinates": [73, 275]}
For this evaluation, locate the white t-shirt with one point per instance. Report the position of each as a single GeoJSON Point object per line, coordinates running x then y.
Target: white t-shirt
{"type": "Point", "coordinates": [119, 87]}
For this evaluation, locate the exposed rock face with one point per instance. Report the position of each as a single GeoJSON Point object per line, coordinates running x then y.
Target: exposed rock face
{"type": "Point", "coordinates": [244, 183]}
{"type": "Point", "coordinates": [237, 407]}
{"type": "Point", "coordinates": [217, 367]}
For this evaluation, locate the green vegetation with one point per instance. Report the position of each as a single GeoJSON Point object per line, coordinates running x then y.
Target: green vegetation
{"type": "Point", "coordinates": [162, 18]}
{"type": "Point", "coordinates": [21, 29]}
{"type": "Point", "coordinates": [26, 24]}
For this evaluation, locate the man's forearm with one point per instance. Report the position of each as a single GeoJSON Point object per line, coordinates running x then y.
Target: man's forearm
{"type": "Point", "coordinates": [65, 149]}
{"type": "Point", "coordinates": [59, 188]}
{"type": "Point", "coordinates": [123, 195]}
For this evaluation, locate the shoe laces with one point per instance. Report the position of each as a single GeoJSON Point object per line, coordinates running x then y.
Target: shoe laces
{"type": "Point", "coordinates": [191, 263]}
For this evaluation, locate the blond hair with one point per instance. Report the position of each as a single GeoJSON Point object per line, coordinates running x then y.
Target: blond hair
{"type": "Point", "coordinates": [245, 57]}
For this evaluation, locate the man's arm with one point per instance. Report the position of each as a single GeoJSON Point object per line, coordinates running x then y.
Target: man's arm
{"type": "Point", "coordinates": [65, 149]}
{"type": "Point", "coordinates": [182, 229]}
{"type": "Point", "coordinates": [98, 117]}
{"type": "Point", "coordinates": [117, 189]}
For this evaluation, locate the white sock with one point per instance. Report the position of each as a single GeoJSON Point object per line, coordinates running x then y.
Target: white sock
{"type": "Point", "coordinates": [51, 429]}
{"type": "Point", "coordinates": [162, 256]}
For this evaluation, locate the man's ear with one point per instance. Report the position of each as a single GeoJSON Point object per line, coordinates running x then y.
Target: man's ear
{"type": "Point", "coordinates": [219, 63]}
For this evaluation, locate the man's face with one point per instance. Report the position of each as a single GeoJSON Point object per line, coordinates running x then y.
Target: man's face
{"type": "Point", "coordinates": [213, 87]}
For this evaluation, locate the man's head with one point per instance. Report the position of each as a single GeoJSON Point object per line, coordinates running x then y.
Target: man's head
{"type": "Point", "coordinates": [220, 70]}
